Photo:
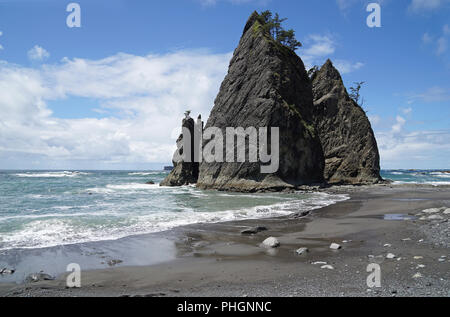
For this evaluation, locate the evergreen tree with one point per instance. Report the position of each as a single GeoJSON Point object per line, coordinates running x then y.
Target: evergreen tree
{"type": "Point", "coordinates": [355, 93]}
{"type": "Point", "coordinates": [273, 25]}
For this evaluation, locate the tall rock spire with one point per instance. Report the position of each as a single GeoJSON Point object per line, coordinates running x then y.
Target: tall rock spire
{"type": "Point", "coordinates": [348, 141]}
{"type": "Point", "coordinates": [266, 86]}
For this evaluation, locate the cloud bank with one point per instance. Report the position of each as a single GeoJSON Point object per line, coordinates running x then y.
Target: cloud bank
{"type": "Point", "coordinates": [142, 100]}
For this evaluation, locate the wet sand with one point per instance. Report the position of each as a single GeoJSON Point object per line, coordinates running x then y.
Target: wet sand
{"type": "Point", "coordinates": [217, 260]}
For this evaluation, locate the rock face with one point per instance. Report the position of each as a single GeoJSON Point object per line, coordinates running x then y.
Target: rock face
{"type": "Point", "coordinates": [183, 173]}
{"type": "Point", "coordinates": [348, 141]}
{"type": "Point", "coordinates": [266, 86]}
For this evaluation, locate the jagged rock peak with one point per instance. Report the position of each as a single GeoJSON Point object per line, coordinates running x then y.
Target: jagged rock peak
{"type": "Point", "coordinates": [266, 86]}
{"type": "Point", "coordinates": [348, 141]}
{"type": "Point", "coordinates": [251, 21]}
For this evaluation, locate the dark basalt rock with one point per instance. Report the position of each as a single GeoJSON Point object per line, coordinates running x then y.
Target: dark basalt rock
{"type": "Point", "coordinates": [349, 145]}
{"type": "Point", "coordinates": [183, 173]}
{"type": "Point", "coordinates": [266, 86]}
{"type": "Point", "coordinates": [37, 277]}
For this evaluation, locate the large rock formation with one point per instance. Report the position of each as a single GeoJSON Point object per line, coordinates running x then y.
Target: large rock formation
{"type": "Point", "coordinates": [266, 86]}
{"type": "Point", "coordinates": [348, 141]}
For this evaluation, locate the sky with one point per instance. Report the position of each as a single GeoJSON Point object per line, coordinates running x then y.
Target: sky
{"type": "Point", "coordinates": [111, 94]}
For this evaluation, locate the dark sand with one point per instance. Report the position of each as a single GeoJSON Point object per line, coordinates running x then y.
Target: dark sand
{"type": "Point", "coordinates": [216, 260]}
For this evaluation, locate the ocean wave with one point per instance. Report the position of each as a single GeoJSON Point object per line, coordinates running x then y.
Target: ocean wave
{"type": "Point", "coordinates": [41, 233]}
{"type": "Point", "coordinates": [441, 174]}
{"type": "Point", "coordinates": [442, 183]}
{"type": "Point", "coordinates": [144, 173]}
{"type": "Point", "coordinates": [134, 186]}
{"type": "Point", "coordinates": [50, 174]}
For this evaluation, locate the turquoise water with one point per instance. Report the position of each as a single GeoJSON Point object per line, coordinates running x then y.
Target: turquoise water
{"type": "Point", "coordinates": [49, 208]}
{"type": "Point", "coordinates": [431, 177]}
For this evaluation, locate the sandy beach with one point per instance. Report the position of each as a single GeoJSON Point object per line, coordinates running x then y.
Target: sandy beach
{"type": "Point", "coordinates": [217, 260]}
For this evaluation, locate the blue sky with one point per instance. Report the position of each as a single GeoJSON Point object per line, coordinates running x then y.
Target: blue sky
{"type": "Point", "coordinates": [110, 95]}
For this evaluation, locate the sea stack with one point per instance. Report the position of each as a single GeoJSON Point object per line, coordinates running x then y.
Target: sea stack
{"type": "Point", "coordinates": [266, 86]}
{"type": "Point", "coordinates": [184, 173]}
{"type": "Point", "coordinates": [349, 144]}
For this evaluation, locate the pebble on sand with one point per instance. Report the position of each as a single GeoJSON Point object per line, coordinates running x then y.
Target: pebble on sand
{"type": "Point", "coordinates": [432, 210]}
{"type": "Point", "coordinates": [6, 271]}
{"type": "Point", "coordinates": [335, 246]}
{"type": "Point", "coordinates": [302, 251]}
{"type": "Point", "coordinates": [328, 267]}
{"type": "Point", "coordinates": [271, 243]}
{"type": "Point", "coordinates": [417, 275]}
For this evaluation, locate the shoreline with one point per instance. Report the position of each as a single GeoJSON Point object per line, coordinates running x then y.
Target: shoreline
{"type": "Point", "coordinates": [217, 260]}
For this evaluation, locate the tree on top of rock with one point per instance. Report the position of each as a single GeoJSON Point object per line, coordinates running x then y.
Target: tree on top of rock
{"type": "Point", "coordinates": [355, 93]}
{"type": "Point", "coordinates": [273, 25]}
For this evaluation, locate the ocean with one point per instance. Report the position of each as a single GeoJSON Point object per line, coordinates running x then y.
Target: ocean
{"type": "Point", "coordinates": [40, 209]}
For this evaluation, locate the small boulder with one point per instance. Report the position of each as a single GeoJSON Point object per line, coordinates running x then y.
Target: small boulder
{"type": "Point", "coordinates": [302, 251]}
{"type": "Point", "coordinates": [7, 271]}
{"type": "Point", "coordinates": [390, 256]}
{"type": "Point", "coordinates": [114, 262]}
{"type": "Point", "coordinates": [328, 267]}
{"type": "Point", "coordinates": [150, 183]}
{"type": "Point", "coordinates": [335, 246]}
{"type": "Point", "coordinates": [36, 277]}
{"type": "Point", "coordinates": [271, 243]}
{"type": "Point", "coordinates": [431, 211]}
{"type": "Point", "coordinates": [417, 275]}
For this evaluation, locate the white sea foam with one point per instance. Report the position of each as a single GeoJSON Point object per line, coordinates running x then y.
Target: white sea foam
{"type": "Point", "coordinates": [40, 233]}
{"type": "Point", "coordinates": [144, 173]}
{"type": "Point", "coordinates": [422, 183]}
{"type": "Point", "coordinates": [50, 174]}
{"type": "Point", "coordinates": [441, 174]}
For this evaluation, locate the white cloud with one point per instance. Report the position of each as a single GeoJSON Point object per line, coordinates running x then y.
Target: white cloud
{"type": "Point", "coordinates": [442, 45]}
{"type": "Point", "coordinates": [427, 38]}
{"type": "Point", "coordinates": [320, 47]}
{"type": "Point", "coordinates": [433, 94]}
{"type": "Point", "coordinates": [424, 149]}
{"type": "Point", "coordinates": [398, 126]}
{"type": "Point", "coordinates": [148, 95]}
{"type": "Point", "coordinates": [441, 42]}
{"type": "Point", "coordinates": [407, 111]}
{"type": "Point", "coordinates": [38, 53]}
{"type": "Point", "coordinates": [345, 5]}
{"type": "Point", "coordinates": [420, 6]}
{"type": "Point", "coordinates": [345, 67]}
